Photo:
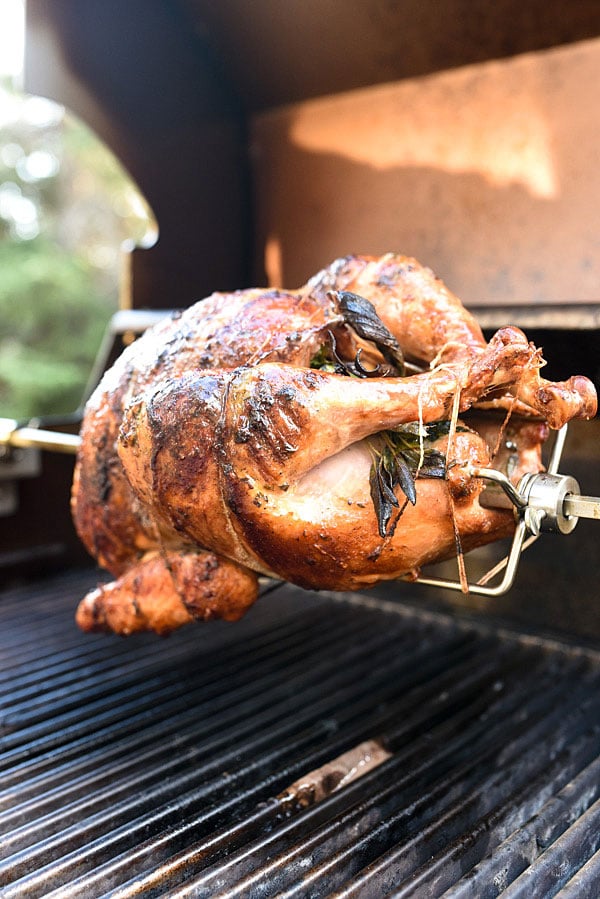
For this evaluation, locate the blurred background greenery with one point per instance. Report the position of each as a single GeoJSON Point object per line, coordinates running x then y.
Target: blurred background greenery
{"type": "Point", "coordinates": [68, 212]}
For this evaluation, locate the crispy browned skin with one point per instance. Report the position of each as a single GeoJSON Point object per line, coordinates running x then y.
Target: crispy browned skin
{"type": "Point", "coordinates": [232, 448]}
{"type": "Point", "coordinates": [223, 332]}
{"type": "Point", "coordinates": [192, 585]}
{"type": "Point", "coordinates": [433, 326]}
{"type": "Point", "coordinates": [414, 305]}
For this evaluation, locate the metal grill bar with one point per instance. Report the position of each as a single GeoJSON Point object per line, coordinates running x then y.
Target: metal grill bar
{"type": "Point", "coordinates": [153, 767]}
{"type": "Point", "coordinates": [584, 884]}
{"type": "Point", "coordinates": [275, 712]}
{"type": "Point", "coordinates": [339, 862]}
{"type": "Point", "coordinates": [116, 812]}
{"type": "Point", "coordinates": [118, 679]}
{"type": "Point", "coordinates": [165, 720]}
{"type": "Point", "coordinates": [520, 849]}
{"type": "Point", "coordinates": [555, 867]}
{"type": "Point", "coordinates": [61, 728]}
{"type": "Point", "coordinates": [528, 789]}
{"type": "Point", "coordinates": [273, 812]}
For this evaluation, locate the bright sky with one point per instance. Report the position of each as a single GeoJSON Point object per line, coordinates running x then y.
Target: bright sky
{"type": "Point", "coordinates": [12, 32]}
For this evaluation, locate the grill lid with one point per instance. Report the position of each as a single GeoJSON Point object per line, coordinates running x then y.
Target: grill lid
{"type": "Point", "coordinates": [321, 747]}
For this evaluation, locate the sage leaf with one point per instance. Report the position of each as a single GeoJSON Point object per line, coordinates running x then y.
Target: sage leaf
{"type": "Point", "coordinates": [362, 316]}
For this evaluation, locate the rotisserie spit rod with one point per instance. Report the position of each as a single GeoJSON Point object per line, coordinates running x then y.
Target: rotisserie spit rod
{"type": "Point", "coordinates": [14, 435]}
{"type": "Point", "coordinates": [548, 501]}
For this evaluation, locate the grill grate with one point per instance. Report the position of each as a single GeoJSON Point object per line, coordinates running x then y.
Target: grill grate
{"type": "Point", "coordinates": [153, 767]}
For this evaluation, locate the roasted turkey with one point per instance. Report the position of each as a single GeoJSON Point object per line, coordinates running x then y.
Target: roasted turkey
{"type": "Point", "coordinates": [320, 435]}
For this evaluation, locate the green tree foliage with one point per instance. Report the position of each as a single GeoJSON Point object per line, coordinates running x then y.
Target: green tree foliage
{"type": "Point", "coordinates": [52, 319]}
{"type": "Point", "coordinates": [66, 210]}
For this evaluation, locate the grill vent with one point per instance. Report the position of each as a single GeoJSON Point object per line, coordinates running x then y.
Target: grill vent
{"type": "Point", "coordinates": [161, 767]}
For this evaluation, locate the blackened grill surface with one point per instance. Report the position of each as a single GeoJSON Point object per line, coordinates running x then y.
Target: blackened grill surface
{"type": "Point", "coordinates": [152, 766]}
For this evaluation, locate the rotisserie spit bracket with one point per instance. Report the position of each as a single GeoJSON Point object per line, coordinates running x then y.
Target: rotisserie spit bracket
{"type": "Point", "coordinates": [543, 502]}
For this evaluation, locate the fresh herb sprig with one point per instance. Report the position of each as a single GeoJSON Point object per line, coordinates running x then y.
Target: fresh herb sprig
{"type": "Point", "coordinates": [361, 315]}
{"type": "Point", "coordinates": [403, 454]}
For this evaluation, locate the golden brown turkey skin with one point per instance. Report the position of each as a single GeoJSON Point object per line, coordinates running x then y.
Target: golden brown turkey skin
{"type": "Point", "coordinates": [192, 585]}
{"type": "Point", "coordinates": [222, 332]}
{"type": "Point", "coordinates": [410, 300]}
{"type": "Point", "coordinates": [289, 470]}
{"type": "Point", "coordinates": [433, 326]}
{"type": "Point", "coordinates": [211, 438]}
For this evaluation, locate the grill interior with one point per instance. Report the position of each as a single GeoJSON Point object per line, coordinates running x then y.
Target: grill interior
{"type": "Point", "coordinates": [267, 145]}
{"type": "Point", "coordinates": [153, 766]}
